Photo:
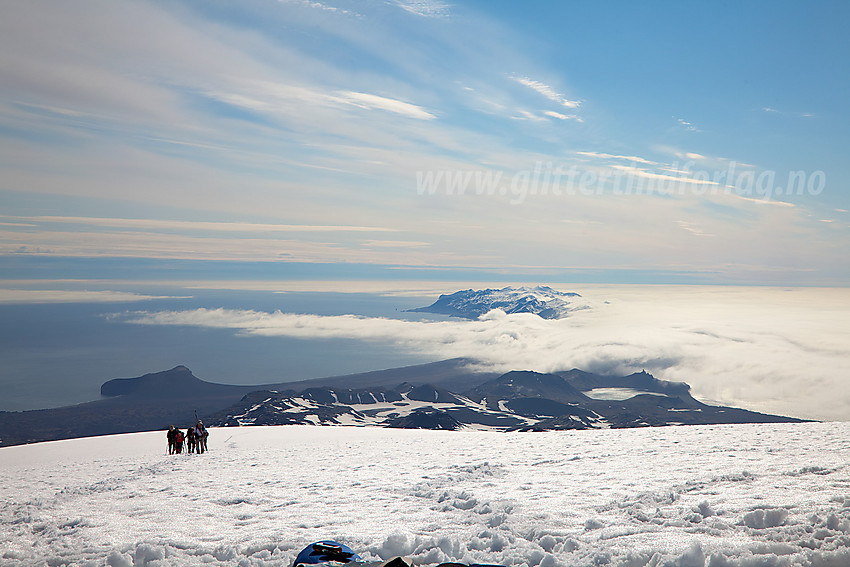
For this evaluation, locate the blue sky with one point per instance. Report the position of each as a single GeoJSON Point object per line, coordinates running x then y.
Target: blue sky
{"type": "Point", "coordinates": [295, 136]}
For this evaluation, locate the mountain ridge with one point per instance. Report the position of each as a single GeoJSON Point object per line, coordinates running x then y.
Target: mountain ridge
{"type": "Point", "coordinates": [148, 402]}
{"type": "Point", "coordinates": [521, 400]}
{"type": "Point", "coordinates": [515, 401]}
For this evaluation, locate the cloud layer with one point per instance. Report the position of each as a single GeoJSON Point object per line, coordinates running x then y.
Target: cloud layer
{"type": "Point", "coordinates": [772, 350]}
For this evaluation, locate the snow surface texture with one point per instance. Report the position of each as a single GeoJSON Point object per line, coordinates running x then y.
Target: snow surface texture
{"type": "Point", "coordinates": [740, 495]}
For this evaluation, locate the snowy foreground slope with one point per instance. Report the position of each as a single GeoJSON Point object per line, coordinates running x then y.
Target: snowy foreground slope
{"type": "Point", "coordinates": [750, 495]}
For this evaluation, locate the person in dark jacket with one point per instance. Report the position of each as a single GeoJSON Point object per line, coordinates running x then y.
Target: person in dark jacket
{"type": "Point", "coordinates": [201, 435]}
{"type": "Point", "coordinates": [191, 441]}
{"type": "Point", "coordinates": [172, 440]}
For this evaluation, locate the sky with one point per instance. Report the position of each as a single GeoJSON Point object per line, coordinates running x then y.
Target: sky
{"type": "Point", "coordinates": [170, 170]}
{"type": "Point", "coordinates": [608, 142]}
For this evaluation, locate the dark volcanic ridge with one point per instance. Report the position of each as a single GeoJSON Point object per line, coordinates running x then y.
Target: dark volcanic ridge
{"type": "Point", "coordinates": [155, 401]}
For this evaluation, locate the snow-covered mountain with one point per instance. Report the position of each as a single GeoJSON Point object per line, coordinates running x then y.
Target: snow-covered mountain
{"type": "Point", "coordinates": [424, 407]}
{"type": "Point", "coordinates": [540, 300]}
{"type": "Point", "coordinates": [767, 495]}
{"type": "Point", "coordinates": [516, 401]}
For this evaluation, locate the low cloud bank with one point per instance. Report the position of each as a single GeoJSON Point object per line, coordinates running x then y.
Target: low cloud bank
{"type": "Point", "coordinates": [767, 349]}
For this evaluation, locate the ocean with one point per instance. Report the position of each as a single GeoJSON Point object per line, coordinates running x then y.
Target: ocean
{"type": "Point", "coordinates": [57, 354]}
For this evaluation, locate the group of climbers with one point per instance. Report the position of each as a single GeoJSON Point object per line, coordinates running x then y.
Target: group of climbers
{"type": "Point", "coordinates": [194, 440]}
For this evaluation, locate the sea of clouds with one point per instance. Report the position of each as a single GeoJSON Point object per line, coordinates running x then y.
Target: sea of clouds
{"type": "Point", "coordinates": [776, 350]}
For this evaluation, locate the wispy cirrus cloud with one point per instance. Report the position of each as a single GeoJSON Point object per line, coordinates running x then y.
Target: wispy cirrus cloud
{"type": "Point", "coordinates": [764, 201]}
{"type": "Point", "coordinates": [227, 247]}
{"type": "Point", "coordinates": [32, 296]}
{"type": "Point", "coordinates": [689, 126]}
{"type": "Point", "coordinates": [153, 224]}
{"type": "Point", "coordinates": [396, 243]}
{"type": "Point", "coordinates": [614, 156]}
{"type": "Point", "coordinates": [690, 227]}
{"type": "Point", "coordinates": [640, 172]}
{"type": "Point", "coordinates": [319, 6]}
{"type": "Point", "coordinates": [280, 99]}
{"type": "Point", "coordinates": [547, 91]}
{"type": "Point", "coordinates": [560, 116]}
{"type": "Point", "coordinates": [772, 110]}
{"type": "Point", "coordinates": [425, 8]}
{"type": "Point", "coordinates": [526, 115]}
{"type": "Point", "coordinates": [371, 101]}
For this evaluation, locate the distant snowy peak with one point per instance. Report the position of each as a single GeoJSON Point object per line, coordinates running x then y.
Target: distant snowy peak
{"type": "Point", "coordinates": [541, 300]}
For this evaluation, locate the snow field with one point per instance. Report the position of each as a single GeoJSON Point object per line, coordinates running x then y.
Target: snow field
{"type": "Point", "coordinates": [740, 495]}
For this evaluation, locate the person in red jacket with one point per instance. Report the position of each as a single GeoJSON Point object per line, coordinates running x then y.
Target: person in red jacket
{"type": "Point", "coordinates": [178, 441]}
